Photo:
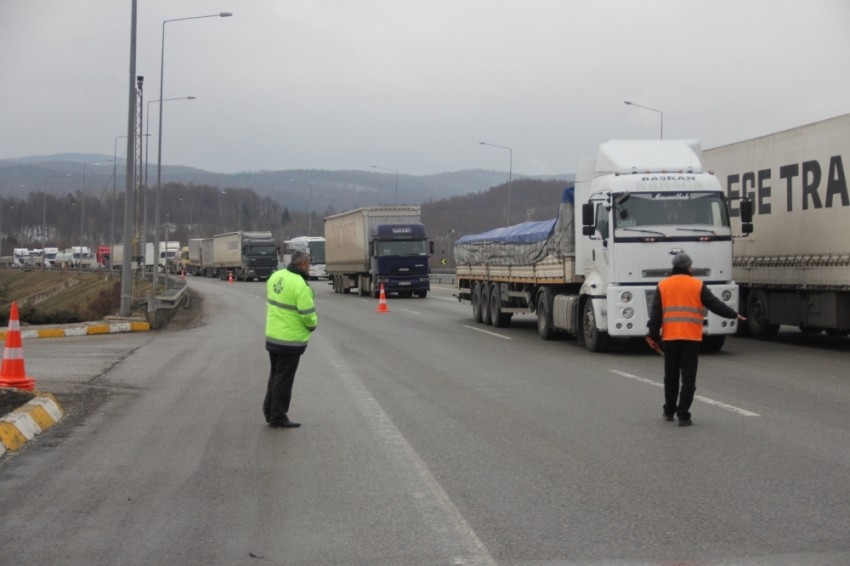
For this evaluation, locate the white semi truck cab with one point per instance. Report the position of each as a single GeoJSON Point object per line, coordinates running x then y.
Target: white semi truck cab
{"type": "Point", "coordinates": [642, 202]}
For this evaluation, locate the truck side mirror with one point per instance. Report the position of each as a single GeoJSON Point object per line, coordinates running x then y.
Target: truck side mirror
{"type": "Point", "coordinates": [430, 247]}
{"type": "Point", "coordinates": [746, 216]}
{"type": "Point", "coordinates": [746, 210]}
{"type": "Point", "coordinates": [587, 215]}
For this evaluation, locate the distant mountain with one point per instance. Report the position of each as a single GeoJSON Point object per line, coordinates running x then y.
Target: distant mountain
{"type": "Point", "coordinates": [299, 190]}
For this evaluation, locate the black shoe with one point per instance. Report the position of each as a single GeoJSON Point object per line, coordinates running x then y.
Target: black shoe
{"type": "Point", "coordinates": [284, 424]}
{"type": "Point", "coordinates": [685, 422]}
{"type": "Point", "coordinates": [668, 418]}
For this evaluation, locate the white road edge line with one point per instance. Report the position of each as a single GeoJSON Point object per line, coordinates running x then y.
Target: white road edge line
{"type": "Point", "coordinates": [503, 337]}
{"type": "Point", "coordinates": [734, 409]}
{"type": "Point", "coordinates": [435, 507]}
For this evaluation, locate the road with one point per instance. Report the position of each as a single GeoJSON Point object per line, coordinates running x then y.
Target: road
{"type": "Point", "coordinates": [426, 439]}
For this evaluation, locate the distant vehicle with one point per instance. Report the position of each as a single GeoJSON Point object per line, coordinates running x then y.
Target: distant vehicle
{"type": "Point", "coordinates": [103, 256]}
{"type": "Point", "coordinates": [167, 250]}
{"type": "Point", "coordinates": [796, 269]}
{"type": "Point", "coordinates": [378, 245]}
{"type": "Point", "coordinates": [245, 255]}
{"type": "Point", "coordinates": [312, 245]}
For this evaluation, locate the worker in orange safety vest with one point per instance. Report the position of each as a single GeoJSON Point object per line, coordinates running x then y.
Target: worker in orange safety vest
{"type": "Point", "coordinates": [677, 316]}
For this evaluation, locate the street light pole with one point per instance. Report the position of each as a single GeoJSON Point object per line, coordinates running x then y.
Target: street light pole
{"type": "Point", "coordinates": [510, 177]}
{"type": "Point", "coordinates": [83, 208]}
{"type": "Point", "coordinates": [147, 154]}
{"type": "Point", "coordinates": [661, 136]}
{"type": "Point", "coordinates": [396, 178]}
{"type": "Point", "coordinates": [159, 138]}
{"type": "Point", "coordinates": [44, 216]}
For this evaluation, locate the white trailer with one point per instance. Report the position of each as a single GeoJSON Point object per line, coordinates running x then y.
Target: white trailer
{"type": "Point", "coordinates": [794, 268]}
{"type": "Point", "coordinates": [592, 272]}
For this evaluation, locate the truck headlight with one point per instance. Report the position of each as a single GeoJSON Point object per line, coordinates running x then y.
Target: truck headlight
{"type": "Point", "coordinates": [726, 295]}
{"type": "Point", "coordinates": [626, 297]}
{"type": "Point", "coordinates": [628, 312]}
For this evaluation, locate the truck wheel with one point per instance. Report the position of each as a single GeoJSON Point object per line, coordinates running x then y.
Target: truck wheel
{"type": "Point", "coordinates": [757, 316]}
{"type": "Point", "coordinates": [476, 303]}
{"type": "Point", "coordinates": [712, 343]}
{"type": "Point", "coordinates": [544, 316]}
{"type": "Point", "coordinates": [595, 340]}
{"type": "Point", "coordinates": [485, 304]}
{"type": "Point", "coordinates": [422, 294]}
{"type": "Point", "coordinates": [497, 317]}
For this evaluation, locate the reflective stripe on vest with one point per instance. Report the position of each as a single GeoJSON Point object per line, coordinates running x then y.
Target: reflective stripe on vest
{"type": "Point", "coordinates": [682, 310]}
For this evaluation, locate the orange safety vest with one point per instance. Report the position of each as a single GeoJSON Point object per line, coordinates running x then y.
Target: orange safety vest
{"type": "Point", "coordinates": [682, 310]}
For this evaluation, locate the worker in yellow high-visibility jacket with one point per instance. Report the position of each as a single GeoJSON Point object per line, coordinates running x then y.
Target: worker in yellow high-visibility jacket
{"type": "Point", "coordinates": [677, 317]}
{"type": "Point", "coordinates": [290, 319]}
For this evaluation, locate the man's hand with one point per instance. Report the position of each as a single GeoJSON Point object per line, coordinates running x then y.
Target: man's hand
{"type": "Point", "coordinates": [654, 345]}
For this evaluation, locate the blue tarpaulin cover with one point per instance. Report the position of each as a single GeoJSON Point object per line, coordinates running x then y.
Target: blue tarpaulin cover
{"type": "Point", "coordinates": [521, 244]}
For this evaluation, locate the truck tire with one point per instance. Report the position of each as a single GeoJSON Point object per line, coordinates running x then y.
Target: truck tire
{"type": "Point", "coordinates": [476, 303]}
{"type": "Point", "coordinates": [595, 340]}
{"type": "Point", "coordinates": [497, 317]}
{"type": "Point", "coordinates": [757, 316]}
{"type": "Point", "coordinates": [545, 327]}
{"type": "Point", "coordinates": [485, 303]}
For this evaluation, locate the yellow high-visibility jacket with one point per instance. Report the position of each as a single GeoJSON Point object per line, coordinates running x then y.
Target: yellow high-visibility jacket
{"type": "Point", "coordinates": [290, 312]}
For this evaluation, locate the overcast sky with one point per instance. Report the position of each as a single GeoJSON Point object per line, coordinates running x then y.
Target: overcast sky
{"type": "Point", "coordinates": [415, 85]}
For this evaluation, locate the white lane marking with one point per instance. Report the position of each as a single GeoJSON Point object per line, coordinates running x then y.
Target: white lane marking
{"type": "Point", "coordinates": [410, 311]}
{"type": "Point", "coordinates": [502, 336]}
{"type": "Point", "coordinates": [708, 400]}
{"type": "Point", "coordinates": [437, 510]}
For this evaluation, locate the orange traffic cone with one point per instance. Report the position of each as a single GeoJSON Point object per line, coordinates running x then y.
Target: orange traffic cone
{"type": "Point", "coordinates": [230, 277]}
{"type": "Point", "coordinates": [13, 373]}
{"type": "Point", "coordinates": [382, 302]}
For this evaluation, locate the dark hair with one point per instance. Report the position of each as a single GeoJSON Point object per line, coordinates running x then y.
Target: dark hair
{"type": "Point", "coordinates": [298, 257]}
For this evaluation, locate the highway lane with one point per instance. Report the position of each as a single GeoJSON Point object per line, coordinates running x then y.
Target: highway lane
{"type": "Point", "coordinates": [428, 439]}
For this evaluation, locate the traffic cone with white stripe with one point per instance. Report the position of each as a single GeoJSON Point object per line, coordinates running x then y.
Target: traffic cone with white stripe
{"type": "Point", "coordinates": [13, 373]}
{"type": "Point", "coordinates": [382, 301]}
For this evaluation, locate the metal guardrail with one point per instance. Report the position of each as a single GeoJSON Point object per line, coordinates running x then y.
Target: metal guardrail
{"type": "Point", "coordinates": [161, 306]}
{"type": "Point", "coordinates": [443, 276]}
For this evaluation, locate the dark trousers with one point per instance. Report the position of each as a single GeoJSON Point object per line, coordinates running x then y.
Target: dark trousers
{"type": "Point", "coordinates": [279, 389]}
{"type": "Point", "coordinates": [680, 361]}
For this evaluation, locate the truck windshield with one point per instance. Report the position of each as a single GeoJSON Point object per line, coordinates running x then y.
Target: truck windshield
{"type": "Point", "coordinates": [402, 247]}
{"type": "Point", "coordinates": [671, 209]}
{"type": "Point", "coordinates": [269, 250]}
{"type": "Point", "coordinates": [317, 252]}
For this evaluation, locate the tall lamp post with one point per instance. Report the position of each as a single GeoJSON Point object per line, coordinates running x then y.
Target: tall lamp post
{"type": "Point", "coordinates": [147, 155]}
{"type": "Point", "coordinates": [396, 178]}
{"type": "Point", "coordinates": [661, 136]}
{"type": "Point", "coordinates": [159, 138]}
{"type": "Point", "coordinates": [510, 177]}
{"type": "Point", "coordinates": [83, 208]}
{"type": "Point", "coordinates": [44, 216]}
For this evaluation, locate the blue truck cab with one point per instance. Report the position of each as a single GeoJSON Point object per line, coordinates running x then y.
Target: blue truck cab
{"type": "Point", "coordinates": [399, 255]}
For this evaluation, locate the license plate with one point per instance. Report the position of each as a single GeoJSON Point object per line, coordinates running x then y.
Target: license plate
{"type": "Point", "coordinates": [404, 284]}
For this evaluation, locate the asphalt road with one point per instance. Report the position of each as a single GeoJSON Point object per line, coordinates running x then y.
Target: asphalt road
{"type": "Point", "coordinates": [426, 439]}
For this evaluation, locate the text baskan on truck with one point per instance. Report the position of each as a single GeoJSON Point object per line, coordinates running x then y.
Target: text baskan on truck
{"type": "Point", "coordinates": [592, 271]}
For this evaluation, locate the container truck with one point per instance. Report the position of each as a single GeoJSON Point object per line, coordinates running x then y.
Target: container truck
{"type": "Point", "coordinates": [193, 257]}
{"type": "Point", "coordinates": [592, 271]}
{"type": "Point", "coordinates": [378, 245]}
{"type": "Point", "coordinates": [247, 255]}
{"type": "Point", "coordinates": [794, 269]}
{"type": "Point", "coordinates": [167, 251]}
